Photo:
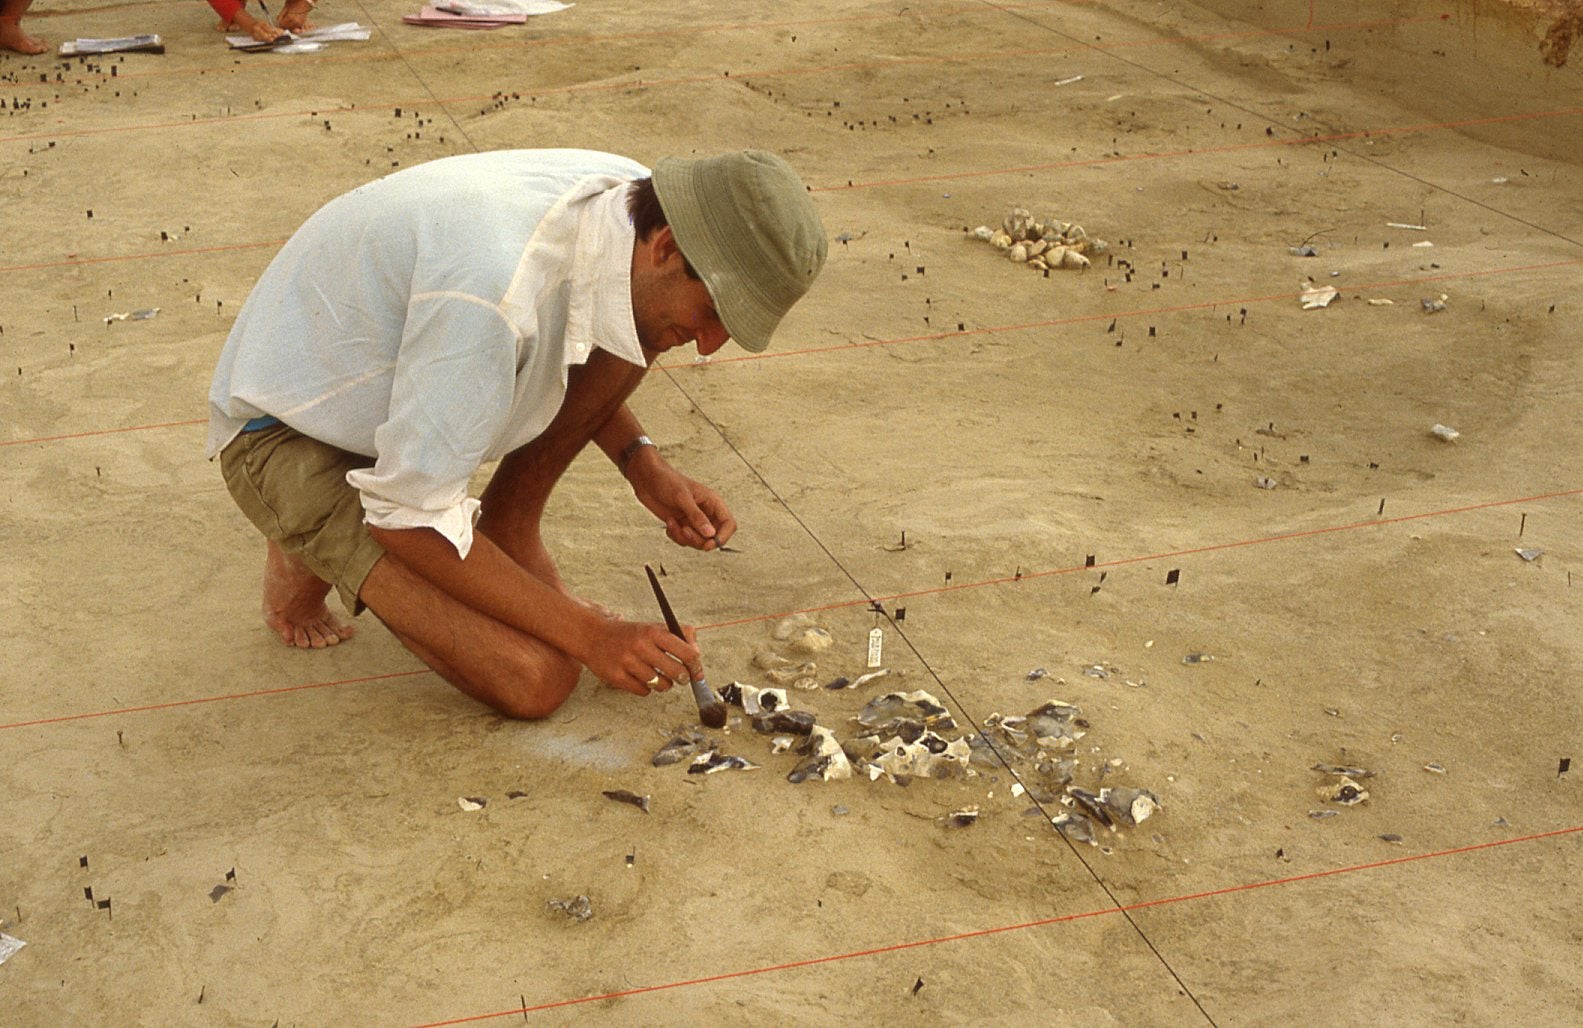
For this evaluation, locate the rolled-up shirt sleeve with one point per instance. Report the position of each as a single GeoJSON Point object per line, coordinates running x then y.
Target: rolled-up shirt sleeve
{"type": "Point", "coordinates": [451, 398]}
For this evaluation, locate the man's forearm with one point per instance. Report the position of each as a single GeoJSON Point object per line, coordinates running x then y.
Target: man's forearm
{"type": "Point", "coordinates": [620, 429]}
{"type": "Point", "coordinates": [491, 582]}
{"type": "Point", "coordinates": [628, 448]}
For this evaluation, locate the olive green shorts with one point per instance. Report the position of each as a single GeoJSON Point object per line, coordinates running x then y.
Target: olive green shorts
{"type": "Point", "coordinates": [294, 490]}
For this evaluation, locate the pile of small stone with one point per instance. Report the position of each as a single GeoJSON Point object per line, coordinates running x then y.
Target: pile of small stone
{"type": "Point", "coordinates": [1044, 244]}
{"type": "Point", "coordinates": [904, 735]}
{"type": "Point", "coordinates": [1041, 749]}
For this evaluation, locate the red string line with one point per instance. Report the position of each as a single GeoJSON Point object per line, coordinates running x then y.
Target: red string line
{"type": "Point", "coordinates": [1108, 315]}
{"type": "Point", "coordinates": [102, 431]}
{"type": "Point", "coordinates": [948, 176]}
{"type": "Point", "coordinates": [214, 699]}
{"type": "Point", "coordinates": [935, 336]}
{"type": "Point", "coordinates": [74, 261]}
{"type": "Point", "coordinates": [1171, 555]}
{"type": "Point", "coordinates": [1003, 929]}
{"type": "Point", "coordinates": [1004, 580]}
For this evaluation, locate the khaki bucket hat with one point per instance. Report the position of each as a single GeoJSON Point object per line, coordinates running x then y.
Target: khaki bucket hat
{"type": "Point", "coordinates": [747, 225]}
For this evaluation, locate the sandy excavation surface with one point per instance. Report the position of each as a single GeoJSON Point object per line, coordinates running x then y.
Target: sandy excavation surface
{"type": "Point", "coordinates": [201, 827]}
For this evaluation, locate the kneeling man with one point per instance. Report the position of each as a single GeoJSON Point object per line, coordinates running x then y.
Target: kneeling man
{"type": "Point", "coordinates": [497, 306]}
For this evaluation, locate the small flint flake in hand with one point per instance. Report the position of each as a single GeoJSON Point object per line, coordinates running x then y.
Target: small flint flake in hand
{"type": "Point", "coordinates": [1445, 432]}
{"type": "Point", "coordinates": [1530, 555]}
{"type": "Point", "coordinates": [218, 891]}
{"type": "Point", "coordinates": [578, 908]}
{"type": "Point", "coordinates": [471, 803]}
{"type": "Point", "coordinates": [623, 796]}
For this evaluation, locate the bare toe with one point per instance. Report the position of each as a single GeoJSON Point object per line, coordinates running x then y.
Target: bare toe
{"type": "Point", "coordinates": [13, 38]}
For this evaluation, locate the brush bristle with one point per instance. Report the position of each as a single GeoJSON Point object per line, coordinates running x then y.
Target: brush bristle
{"type": "Point", "coordinates": [713, 715]}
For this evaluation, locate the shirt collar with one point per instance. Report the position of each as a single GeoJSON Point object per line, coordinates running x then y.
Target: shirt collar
{"type": "Point", "coordinates": [600, 312]}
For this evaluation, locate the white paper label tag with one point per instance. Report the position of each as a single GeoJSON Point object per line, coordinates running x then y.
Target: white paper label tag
{"type": "Point", "coordinates": [876, 646]}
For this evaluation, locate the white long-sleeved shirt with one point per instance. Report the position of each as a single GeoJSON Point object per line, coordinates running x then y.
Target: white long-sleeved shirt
{"type": "Point", "coordinates": [428, 320]}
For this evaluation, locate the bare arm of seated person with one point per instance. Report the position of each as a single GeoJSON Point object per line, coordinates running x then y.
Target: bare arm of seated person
{"type": "Point", "coordinates": [624, 654]}
{"type": "Point", "coordinates": [694, 514]}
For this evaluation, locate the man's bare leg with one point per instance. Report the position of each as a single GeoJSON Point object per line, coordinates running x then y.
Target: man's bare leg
{"type": "Point", "coordinates": [294, 604]}
{"type": "Point", "coordinates": [515, 673]}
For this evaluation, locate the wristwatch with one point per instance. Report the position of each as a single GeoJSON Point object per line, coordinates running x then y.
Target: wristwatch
{"type": "Point", "coordinates": [631, 450]}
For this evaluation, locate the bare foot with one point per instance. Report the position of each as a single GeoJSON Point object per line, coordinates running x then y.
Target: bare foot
{"type": "Point", "coordinates": [294, 604]}
{"type": "Point", "coordinates": [13, 38]}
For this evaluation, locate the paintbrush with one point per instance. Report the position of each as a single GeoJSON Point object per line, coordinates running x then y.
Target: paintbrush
{"type": "Point", "coordinates": [711, 708]}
